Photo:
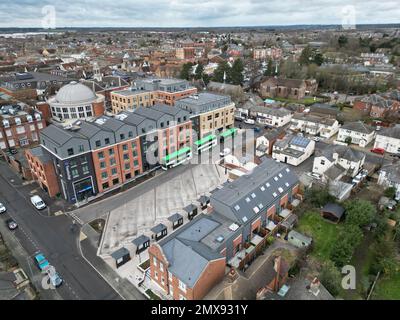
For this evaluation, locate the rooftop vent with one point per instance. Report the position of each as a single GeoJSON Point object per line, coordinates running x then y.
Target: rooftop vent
{"type": "Point", "coordinates": [220, 239]}
{"type": "Point", "coordinates": [233, 227]}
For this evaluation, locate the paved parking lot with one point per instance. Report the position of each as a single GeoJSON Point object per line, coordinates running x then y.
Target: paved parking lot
{"type": "Point", "coordinates": [139, 215]}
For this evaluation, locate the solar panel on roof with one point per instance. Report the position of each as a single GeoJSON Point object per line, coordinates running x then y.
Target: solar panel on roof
{"type": "Point", "coordinates": [300, 141]}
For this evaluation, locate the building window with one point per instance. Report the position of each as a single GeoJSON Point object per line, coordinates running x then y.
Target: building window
{"type": "Point", "coordinates": [135, 163]}
{"type": "Point", "coordinates": [107, 140]}
{"type": "Point", "coordinates": [182, 286]}
{"type": "Point", "coordinates": [85, 169]}
{"type": "Point", "coordinates": [81, 148]}
{"type": "Point", "coordinates": [104, 175]}
{"type": "Point", "coordinates": [112, 162]}
{"type": "Point", "coordinates": [111, 152]}
{"type": "Point", "coordinates": [101, 155]}
{"type": "Point", "coordinates": [70, 151]}
{"type": "Point", "coordinates": [115, 181]}
{"type": "Point", "coordinates": [127, 166]}
{"type": "Point", "coordinates": [74, 173]}
{"type": "Point", "coordinates": [98, 143]}
{"type": "Point", "coordinates": [102, 164]}
{"type": "Point", "coordinates": [113, 171]}
{"type": "Point", "coordinates": [125, 147]}
{"type": "Point", "coordinates": [105, 185]}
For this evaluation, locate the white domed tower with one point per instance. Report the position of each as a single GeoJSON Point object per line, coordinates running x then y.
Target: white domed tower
{"type": "Point", "coordinates": [76, 101]}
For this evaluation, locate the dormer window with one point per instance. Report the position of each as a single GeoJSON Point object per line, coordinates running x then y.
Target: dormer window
{"type": "Point", "coordinates": [37, 116]}
{"type": "Point", "coordinates": [17, 121]}
{"type": "Point", "coordinates": [29, 118]}
{"type": "Point", "coordinates": [6, 124]}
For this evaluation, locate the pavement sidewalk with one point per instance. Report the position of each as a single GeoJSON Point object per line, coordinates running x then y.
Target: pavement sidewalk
{"type": "Point", "coordinates": [122, 286]}
{"type": "Point", "coordinates": [29, 188]}
{"type": "Point", "coordinates": [24, 261]}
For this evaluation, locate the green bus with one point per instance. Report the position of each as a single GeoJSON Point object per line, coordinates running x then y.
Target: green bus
{"type": "Point", "coordinates": [176, 158]}
{"type": "Point", "coordinates": [205, 143]}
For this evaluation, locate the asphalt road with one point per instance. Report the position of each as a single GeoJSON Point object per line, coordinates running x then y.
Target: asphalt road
{"type": "Point", "coordinates": [53, 237]}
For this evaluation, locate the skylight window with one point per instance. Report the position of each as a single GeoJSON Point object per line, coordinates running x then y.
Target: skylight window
{"type": "Point", "coordinates": [262, 188]}
{"type": "Point", "coordinates": [268, 185]}
{"type": "Point", "coordinates": [286, 184]}
{"type": "Point", "coordinates": [247, 199]}
{"type": "Point", "coordinates": [275, 194]}
{"type": "Point", "coordinates": [280, 189]}
{"type": "Point", "coordinates": [256, 210]}
{"type": "Point", "coordinates": [237, 207]}
{"type": "Point", "coordinates": [253, 195]}
{"type": "Point", "coordinates": [276, 178]}
{"type": "Point", "coordinates": [244, 219]}
{"type": "Point", "coordinates": [260, 206]}
{"type": "Point", "coordinates": [280, 175]}
{"type": "Point", "coordinates": [287, 170]}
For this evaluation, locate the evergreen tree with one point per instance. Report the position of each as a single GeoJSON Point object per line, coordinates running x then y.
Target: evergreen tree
{"type": "Point", "coordinates": [199, 73]}
{"type": "Point", "coordinates": [222, 68]}
{"type": "Point", "coordinates": [236, 72]}
{"type": "Point", "coordinates": [186, 70]}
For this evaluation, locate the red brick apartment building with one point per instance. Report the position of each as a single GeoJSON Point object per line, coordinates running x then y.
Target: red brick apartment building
{"type": "Point", "coordinates": [188, 263]}
{"type": "Point", "coordinates": [19, 126]}
{"type": "Point", "coordinates": [42, 170]}
{"type": "Point", "coordinates": [97, 155]}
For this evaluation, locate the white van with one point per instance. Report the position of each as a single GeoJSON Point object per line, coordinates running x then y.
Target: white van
{"type": "Point", "coordinates": [38, 203]}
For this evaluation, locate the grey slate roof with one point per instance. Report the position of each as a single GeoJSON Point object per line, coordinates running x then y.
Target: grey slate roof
{"type": "Point", "coordinates": [236, 201]}
{"type": "Point", "coordinates": [189, 208]}
{"type": "Point", "coordinates": [187, 255]}
{"type": "Point", "coordinates": [120, 253]}
{"type": "Point", "coordinates": [300, 236]}
{"type": "Point", "coordinates": [334, 171]}
{"type": "Point", "coordinates": [393, 132]}
{"type": "Point", "coordinates": [38, 152]}
{"type": "Point", "coordinates": [140, 240]}
{"type": "Point", "coordinates": [358, 126]}
{"type": "Point", "coordinates": [334, 208]}
{"type": "Point", "coordinates": [175, 217]}
{"type": "Point", "coordinates": [158, 228]}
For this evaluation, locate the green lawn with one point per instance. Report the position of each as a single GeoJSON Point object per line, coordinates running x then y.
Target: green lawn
{"type": "Point", "coordinates": [324, 234]}
{"type": "Point", "coordinates": [387, 288]}
{"type": "Point", "coordinates": [305, 101]}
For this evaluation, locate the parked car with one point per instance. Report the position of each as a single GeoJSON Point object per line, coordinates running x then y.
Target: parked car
{"type": "Point", "coordinates": [38, 203]}
{"type": "Point", "coordinates": [13, 150]}
{"type": "Point", "coordinates": [257, 129]}
{"type": "Point", "coordinates": [11, 224]}
{"type": "Point", "coordinates": [395, 155]}
{"type": "Point", "coordinates": [41, 261]}
{"type": "Point", "coordinates": [54, 277]}
{"type": "Point", "coordinates": [378, 150]}
{"type": "Point", "coordinates": [316, 139]}
{"type": "Point", "coordinates": [2, 208]}
{"type": "Point", "coordinates": [225, 152]}
{"type": "Point", "coordinates": [249, 121]}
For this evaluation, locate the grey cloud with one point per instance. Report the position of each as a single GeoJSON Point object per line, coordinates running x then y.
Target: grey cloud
{"type": "Point", "coordinates": [185, 13]}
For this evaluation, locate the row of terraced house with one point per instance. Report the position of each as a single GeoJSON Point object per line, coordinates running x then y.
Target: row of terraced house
{"type": "Point", "coordinates": [188, 263]}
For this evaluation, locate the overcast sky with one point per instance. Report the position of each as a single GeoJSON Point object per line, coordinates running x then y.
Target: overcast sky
{"type": "Point", "coordinates": [195, 13]}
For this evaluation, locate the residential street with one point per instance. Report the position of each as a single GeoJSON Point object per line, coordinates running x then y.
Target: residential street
{"type": "Point", "coordinates": [52, 236]}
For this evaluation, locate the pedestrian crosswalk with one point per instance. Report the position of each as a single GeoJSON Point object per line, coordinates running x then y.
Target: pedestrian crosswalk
{"type": "Point", "coordinates": [77, 219]}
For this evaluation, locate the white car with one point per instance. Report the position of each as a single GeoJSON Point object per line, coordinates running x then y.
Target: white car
{"type": "Point", "coordinates": [317, 139]}
{"type": "Point", "coordinates": [249, 121]}
{"type": "Point", "coordinates": [38, 202]}
{"type": "Point", "coordinates": [2, 208]}
{"type": "Point", "coordinates": [225, 152]}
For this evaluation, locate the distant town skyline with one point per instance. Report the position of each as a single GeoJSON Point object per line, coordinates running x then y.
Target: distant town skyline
{"type": "Point", "coordinates": [194, 13]}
